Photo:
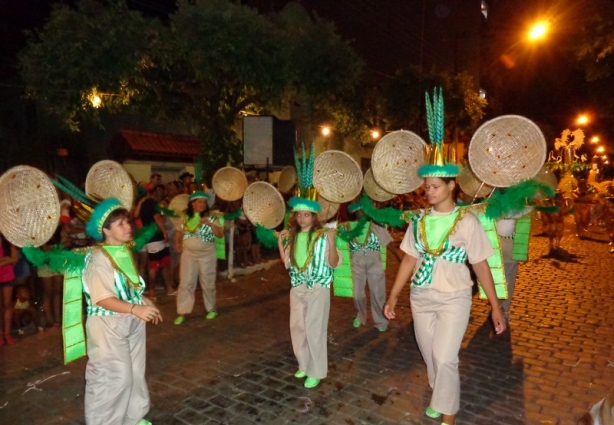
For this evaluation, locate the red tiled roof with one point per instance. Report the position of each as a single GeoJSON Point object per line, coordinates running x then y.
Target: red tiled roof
{"type": "Point", "coordinates": [160, 144]}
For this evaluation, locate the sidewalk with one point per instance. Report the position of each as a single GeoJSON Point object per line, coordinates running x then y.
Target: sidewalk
{"type": "Point", "coordinates": [556, 361]}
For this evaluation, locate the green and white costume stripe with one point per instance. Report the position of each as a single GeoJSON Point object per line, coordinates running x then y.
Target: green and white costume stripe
{"type": "Point", "coordinates": [318, 272]}
{"type": "Point", "coordinates": [424, 274]}
{"type": "Point", "coordinates": [372, 244]}
{"type": "Point", "coordinates": [203, 232]}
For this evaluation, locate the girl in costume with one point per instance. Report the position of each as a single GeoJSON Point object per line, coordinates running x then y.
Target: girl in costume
{"type": "Point", "coordinates": [115, 392]}
{"type": "Point", "coordinates": [437, 243]}
{"type": "Point", "coordinates": [196, 243]}
{"type": "Point", "coordinates": [309, 253]}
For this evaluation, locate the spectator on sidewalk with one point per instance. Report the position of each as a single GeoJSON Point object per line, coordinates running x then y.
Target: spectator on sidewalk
{"type": "Point", "coordinates": [8, 258]}
{"type": "Point", "coordinates": [25, 312]}
{"type": "Point", "coordinates": [186, 182]}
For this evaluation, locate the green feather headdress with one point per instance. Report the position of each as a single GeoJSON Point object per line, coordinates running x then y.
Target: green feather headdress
{"type": "Point", "coordinates": [305, 198]}
{"type": "Point", "coordinates": [436, 164]}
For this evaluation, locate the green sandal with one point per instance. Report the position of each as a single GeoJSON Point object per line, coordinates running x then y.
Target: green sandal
{"type": "Point", "coordinates": [431, 413]}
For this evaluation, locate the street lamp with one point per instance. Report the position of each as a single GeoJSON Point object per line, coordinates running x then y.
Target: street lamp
{"type": "Point", "coordinates": [375, 134]}
{"type": "Point", "coordinates": [539, 30]}
{"type": "Point", "coordinates": [600, 149]}
{"type": "Point", "coordinates": [595, 139]}
{"type": "Point", "coordinates": [325, 131]}
{"type": "Point", "coordinates": [582, 119]}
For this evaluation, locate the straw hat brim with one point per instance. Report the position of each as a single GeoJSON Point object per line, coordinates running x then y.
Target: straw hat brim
{"type": "Point", "coordinates": [179, 204]}
{"type": "Point", "coordinates": [229, 183]}
{"type": "Point", "coordinates": [328, 211]}
{"type": "Point", "coordinates": [374, 190]}
{"type": "Point", "coordinates": [336, 176]}
{"type": "Point", "coordinates": [30, 207]}
{"type": "Point", "coordinates": [287, 179]}
{"type": "Point", "coordinates": [108, 179]}
{"type": "Point", "coordinates": [471, 185]}
{"type": "Point", "coordinates": [264, 205]}
{"type": "Point", "coordinates": [395, 161]}
{"type": "Point", "coordinates": [506, 150]}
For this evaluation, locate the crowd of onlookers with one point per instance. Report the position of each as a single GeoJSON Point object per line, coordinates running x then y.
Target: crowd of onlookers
{"type": "Point", "coordinates": [31, 299]}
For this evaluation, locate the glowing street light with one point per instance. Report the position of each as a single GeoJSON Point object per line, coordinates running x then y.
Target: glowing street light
{"type": "Point", "coordinates": [325, 131]}
{"type": "Point", "coordinates": [595, 139]}
{"type": "Point", "coordinates": [582, 119]}
{"type": "Point", "coordinates": [538, 30]}
{"type": "Point", "coordinates": [600, 149]}
{"type": "Point", "coordinates": [375, 134]}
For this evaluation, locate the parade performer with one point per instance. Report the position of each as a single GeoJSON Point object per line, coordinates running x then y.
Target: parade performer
{"type": "Point", "coordinates": [437, 243]}
{"type": "Point", "coordinates": [308, 252]}
{"type": "Point", "coordinates": [196, 243]}
{"type": "Point", "coordinates": [367, 252]}
{"type": "Point", "coordinates": [115, 391]}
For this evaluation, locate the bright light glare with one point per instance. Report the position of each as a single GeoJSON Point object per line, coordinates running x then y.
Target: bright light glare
{"type": "Point", "coordinates": [600, 149]}
{"type": "Point", "coordinates": [375, 134]}
{"type": "Point", "coordinates": [595, 139]}
{"type": "Point", "coordinates": [538, 30]}
{"type": "Point", "coordinates": [582, 119]}
{"type": "Point", "coordinates": [325, 131]}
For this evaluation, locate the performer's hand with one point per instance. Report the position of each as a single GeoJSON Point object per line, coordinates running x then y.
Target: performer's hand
{"type": "Point", "coordinates": [147, 313]}
{"type": "Point", "coordinates": [283, 235]}
{"type": "Point", "coordinates": [332, 234]}
{"type": "Point", "coordinates": [498, 320]}
{"type": "Point", "coordinates": [389, 309]}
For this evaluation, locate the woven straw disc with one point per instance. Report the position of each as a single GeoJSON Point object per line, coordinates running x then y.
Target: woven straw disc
{"type": "Point", "coordinates": [108, 179]}
{"type": "Point", "coordinates": [264, 205]}
{"type": "Point", "coordinates": [506, 150]}
{"type": "Point", "coordinates": [329, 209]}
{"type": "Point", "coordinates": [229, 183]}
{"type": "Point", "coordinates": [395, 161]}
{"type": "Point", "coordinates": [287, 179]}
{"type": "Point", "coordinates": [336, 176]}
{"type": "Point", "coordinates": [471, 185]}
{"type": "Point", "coordinates": [30, 207]}
{"type": "Point", "coordinates": [374, 190]}
{"type": "Point", "coordinates": [179, 204]}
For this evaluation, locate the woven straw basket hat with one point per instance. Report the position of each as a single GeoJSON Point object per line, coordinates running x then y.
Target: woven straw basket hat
{"type": "Point", "coordinates": [264, 205]}
{"type": "Point", "coordinates": [336, 176]}
{"type": "Point", "coordinates": [287, 179]}
{"type": "Point", "coordinates": [179, 204]}
{"type": "Point", "coordinates": [471, 185]}
{"type": "Point", "coordinates": [506, 150]}
{"type": "Point", "coordinates": [229, 183]}
{"type": "Point", "coordinates": [395, 161]}
{"type": "Point", "coordinates": [374, 190]}
{"type": "Point", "coordinates": [30, 207]}
{"type": "Point", "coordinates": [329, 209]}
{"type": "Point", "coordinates": [108, 179]}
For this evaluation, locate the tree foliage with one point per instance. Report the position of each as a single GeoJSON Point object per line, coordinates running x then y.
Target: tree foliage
{"type": "Point", "coordinates": [212, 61]}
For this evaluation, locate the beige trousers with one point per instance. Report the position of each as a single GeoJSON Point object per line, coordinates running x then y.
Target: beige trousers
{"type": "Point", "coordinates": [309, 310]}
{"type": "Point", "coordinates": [198, 263]}
{"type": "Point", "coordinates": [367, 269]}
{"type": "Point", "coordinates": [440, 322]}
{"type": "Point", "coordinates": [511, 270]}
{"type": "Point", "coordinates": [115, 388]}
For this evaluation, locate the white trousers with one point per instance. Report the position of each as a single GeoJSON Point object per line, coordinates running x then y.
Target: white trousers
{"type": "Point", "coordinates": [367, 269]}
{"type": "Point", "coordinates": [309, 311]}
{"type": "Point", "coordinates": [198, 264]}
{"type": "Point", "coordinates": [440, 322]}
{"type": "Point", "coordinates": [511, 270]}
{"type": "Point", "coordinates": [115, 388]}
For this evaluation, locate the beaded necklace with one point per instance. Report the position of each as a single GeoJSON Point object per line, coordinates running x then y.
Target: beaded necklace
{"type": "Point", "coordinates": [133, 284]}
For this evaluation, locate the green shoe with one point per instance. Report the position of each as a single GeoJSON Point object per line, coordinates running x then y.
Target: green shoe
{"type": "Point", "coordinates": [382, 328]}
{"type": "Point", "coordinates": [179, 320]}
{"type": "Point", "coordinates": [300, 374]}
{"type": "Point", "coordinates": [356, 323]}
{"type": "Point", "coordinates": [144, 422]}
{"type": "Point", "coordinates": [311, 382]}
{"type": "Point", "coordinates": [432, 413]}
{"type": "Point", "coordinates": [212, 315]}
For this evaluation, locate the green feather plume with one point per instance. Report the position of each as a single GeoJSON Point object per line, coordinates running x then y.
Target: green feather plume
{"type": "Point", "coordinates": [58, 260]}
{"type": "Point", "coordinates": [165, 211]}
{"type": "Point", "coordinates": [71, 190]}
{"type": "Point", "coordinates": [233, 215]}
{"type": "Point", "coordinates": [144, 235]}
{"type": "Point", "coordinates": [267, 237]}
{"type": "Point", "coordinates": [514, 199]}
{"type": "Point", "coordinates": [389, 216]}
{"type": "Point", "coordinates": [349, 234]}
{"type": "Point", "coordinates": [435, 116]}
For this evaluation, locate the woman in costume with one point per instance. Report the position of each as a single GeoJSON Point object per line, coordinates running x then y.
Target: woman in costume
{"type": "Point", "coordinates": [116, 391]}
{"type": "Point", "coordinates": [437, 243]}
{"type": "Point", "coordinates": [309, 253]}
{"type": "Point", "coordinates": [196, 243]}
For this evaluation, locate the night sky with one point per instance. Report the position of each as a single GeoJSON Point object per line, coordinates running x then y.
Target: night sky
{"type": "Point", "coordinates": [542, 83]}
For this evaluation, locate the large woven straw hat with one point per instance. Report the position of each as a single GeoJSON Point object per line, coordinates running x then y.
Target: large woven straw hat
{"type": "Point", "coordinates": [108, 179]}
{"type": "Point", "coordinates": [264, 205]}
{"type": "Point", "coordinates": [328, 211]}
{"type": "Point", "coordinates": [229, 183]}
{"type": "Point", "coordinates": [374, 190]}
{"type": "Point", "coordinates": [471, 185]}
{"type": "Point", "coordinates": [287, 179]}
{"type": "Point", "coordinates": [336, 176]}
{"type": "Point", "coordinates": [395, 161]}
{"type": "Point", "coordinates": [506, 150]}
{"type": "Point", "coordinates": [179, 204]}
{"type": "Point", "coordinates": [30, 207]}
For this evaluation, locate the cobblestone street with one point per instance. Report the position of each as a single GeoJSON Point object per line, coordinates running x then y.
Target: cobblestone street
{"type": "Point", "coordinates": [554, 363]}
